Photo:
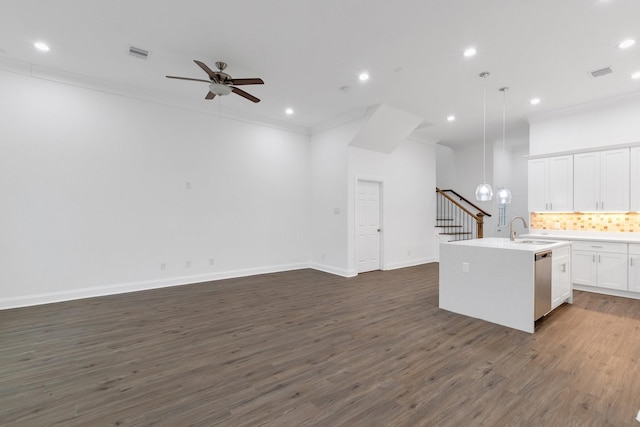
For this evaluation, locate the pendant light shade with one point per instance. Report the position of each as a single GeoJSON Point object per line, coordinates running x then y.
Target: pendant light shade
{"type": "Point", "coordinates": [504, 195]}
{"type": "Point", "coordinates": [484, 192]}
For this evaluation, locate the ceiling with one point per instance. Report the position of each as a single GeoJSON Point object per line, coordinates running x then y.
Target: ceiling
{"type": "Point", "coordinates": [309, 53]}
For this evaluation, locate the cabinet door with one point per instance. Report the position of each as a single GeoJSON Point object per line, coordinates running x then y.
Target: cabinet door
{"type": "Point", "coordinates": [634, 180]}
{"type": "Point", "coordinates": [583, 268]}
{"type": "Point", "coordinates": [586, 182]}
{"type": "Point", "coordinates": [634, 273]}
{"type": "Point", "coordinates": [560, 183]}
{"type": "Point", "coordinates": [612, 271]}
{"type": "Point", "coordinates": [538, 184]}
{"type": "Point", "coordinates": [560, 280]}
{"type": "Point", "coordinates": [614, 180]}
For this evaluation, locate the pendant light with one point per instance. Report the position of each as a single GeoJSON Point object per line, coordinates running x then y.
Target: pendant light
{"type": "Point", "coordinates": [484, 192]}
{"type": "Point", "coordinates": [503, 195]}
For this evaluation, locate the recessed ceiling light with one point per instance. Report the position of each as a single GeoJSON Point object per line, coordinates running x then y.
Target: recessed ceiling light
{"type": "Point", "coordinates": [626, 43]}
{"type": "Point", "coordinates": [635, 75]}
{"type": "Point", "coordinates": [289, 111]}
{"type": "Point", "coordinates": [470, 52]}
{"type": "Point", "coordinates": [534, 101]}
{"type": "Point", "coordinates": [451, 118]}
{"type": "Point", "coordinates": [363, 77]}
{"type": "Point", "coordinates": [41, 46]}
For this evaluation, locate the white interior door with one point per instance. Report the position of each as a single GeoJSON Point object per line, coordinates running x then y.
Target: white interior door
{"type": "Point", "coordinates": [368, 226]}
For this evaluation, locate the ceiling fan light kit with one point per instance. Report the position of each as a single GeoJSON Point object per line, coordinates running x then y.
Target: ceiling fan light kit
{"type": "Point", "coordinates": [219, 89]}
{"type": "Point", "coordinates": [221, 83]}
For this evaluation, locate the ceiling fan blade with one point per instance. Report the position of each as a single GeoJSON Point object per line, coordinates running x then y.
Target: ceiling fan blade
{"type": "Point", "coordinates": [188, 78]}
{"type": "Point", "coordinates": [244, 94]}
{"type": "Point", "coordinates": [210, 95]}
{"type": "Point", "coordinates": [207, 70]}
{"type": "Point", "coordinates": [238, 82]}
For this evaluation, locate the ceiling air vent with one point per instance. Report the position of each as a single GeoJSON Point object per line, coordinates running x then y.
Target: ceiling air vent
{"type": "Point", "coordinates": [138, 53]}
{"type": "Point", "coordinates": [601, 72]}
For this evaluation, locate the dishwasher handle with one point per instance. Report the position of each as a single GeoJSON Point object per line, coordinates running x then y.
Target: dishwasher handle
{"type": "Point", "coordinates": [542, 255]}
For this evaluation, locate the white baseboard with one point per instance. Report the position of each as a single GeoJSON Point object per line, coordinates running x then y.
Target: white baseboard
{"type": "Point", "coordinates": [121, 288]}
{"type": "Point", "coordinates": [605, 291]}
{"type": "Point", "coordinates": [332, 270]}
{"type": "Point", "coordinates": [410, 263]}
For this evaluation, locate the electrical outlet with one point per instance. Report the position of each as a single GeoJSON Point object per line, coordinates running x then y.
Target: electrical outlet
{"type": "Point", "coordinates": [163, 266]}
{"type": "Point", "coordinates": [187, 185]}
{"type": "Point", "coordinates": [212, 261]}
{"type": "Point", "coordinates": [322, 255]}
{"type": "Point", "coordinates": [465, 267]}
{"type": "Point", "coordinates": [187, 264]}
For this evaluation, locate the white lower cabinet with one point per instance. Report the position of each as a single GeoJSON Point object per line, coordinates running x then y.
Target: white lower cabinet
{"type": "Point", "coordinates": [560, 276]}
{"type": "Point", "coordinates": [602, 265]}
{"type": "Point", "coordinates": [634, 267]}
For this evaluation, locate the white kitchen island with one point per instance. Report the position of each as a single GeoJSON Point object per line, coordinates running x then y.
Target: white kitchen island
{"type": "Point", "coordinates": [493, 279]}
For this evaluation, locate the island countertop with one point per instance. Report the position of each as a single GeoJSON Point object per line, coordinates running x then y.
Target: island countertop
{"type": "Point", "coordinates": [529, 244]}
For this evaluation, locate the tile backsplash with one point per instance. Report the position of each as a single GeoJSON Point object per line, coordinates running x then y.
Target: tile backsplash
{"type": "Point", "coordinates": [578, 221]}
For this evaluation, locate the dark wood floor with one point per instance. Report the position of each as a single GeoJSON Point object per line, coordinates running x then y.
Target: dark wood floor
{"type": "Point", "coordinates": [306, 348]}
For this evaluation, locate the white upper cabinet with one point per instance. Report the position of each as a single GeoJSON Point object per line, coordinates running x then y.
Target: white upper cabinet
{"type": "Point", "coordinates": [634, 172]}
{"type": "Point", "coordinates": [551, 184]}
{"type": "Point", "coordinates": [601, 181]}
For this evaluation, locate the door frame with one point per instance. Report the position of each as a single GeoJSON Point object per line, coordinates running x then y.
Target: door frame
{"type": "Point", "coordinates": [380, 183]}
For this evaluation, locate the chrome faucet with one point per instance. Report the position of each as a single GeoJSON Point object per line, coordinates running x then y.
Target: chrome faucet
{"type": "Point", "coordinates": [512, 234]}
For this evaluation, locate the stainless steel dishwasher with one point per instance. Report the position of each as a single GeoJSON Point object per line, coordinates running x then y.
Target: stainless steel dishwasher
{"type": "Point", "coordinates": [542, 281]}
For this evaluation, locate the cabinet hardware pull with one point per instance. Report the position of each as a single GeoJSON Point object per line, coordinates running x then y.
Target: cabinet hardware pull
{"type": "Point", "coordinates": [550, 206]}
{"type": "Point", "coordinates": [631, 261]}
{"type": "Point", "coordinates": [594, 257]}
{"type": "Point", "coordinates": [602, 205]}
{"type": "Point", "coordinates": [564, 266]}
{"type": "Point", "coordinates": [599, 258]}
{"type": "Point", "coordinates": [595, 246]}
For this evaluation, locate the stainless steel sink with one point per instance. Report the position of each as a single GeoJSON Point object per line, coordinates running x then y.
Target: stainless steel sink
{"type": "Point", "coordinates": [535, 242]}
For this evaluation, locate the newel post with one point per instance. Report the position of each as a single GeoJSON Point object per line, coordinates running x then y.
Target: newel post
{"type": "Point", "coordinates": [480, 224]}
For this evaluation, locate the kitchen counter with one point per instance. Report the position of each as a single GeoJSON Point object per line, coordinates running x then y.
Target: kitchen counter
{"type": "Point", "coordinates": [492, 279]}
{"type": "Point", "coordinates": [595, 236]}
{"type": "Point", "coordinates": [529, 244]}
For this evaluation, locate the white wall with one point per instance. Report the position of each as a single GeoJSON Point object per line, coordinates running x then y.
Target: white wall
{"type": "Point", "coordinates": [408, 177]}
{"type": "Point", "coordinates": [95, 196]}
{"type": "Point", "coordinates": [328, 224]}
{"type": "Point", "coordinates": [513, 175]}
{"type": "Point", "coordinates": [461, 169]}
{"type": "Point", "coordinates": [604, 123]}
{"type": "Point", "coordinates": [446, 175]}
{"type": "Point", "coordinates": [466, 175]}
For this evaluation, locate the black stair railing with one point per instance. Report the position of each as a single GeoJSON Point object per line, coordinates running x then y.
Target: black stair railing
{"type": "Point", "coordinates": [458, 218]}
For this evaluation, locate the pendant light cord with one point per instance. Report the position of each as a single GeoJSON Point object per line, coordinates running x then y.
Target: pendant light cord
{"type": "Point", "coordinates": [504, 128]}
{"type": "Point", "coordinates": [484, 129]}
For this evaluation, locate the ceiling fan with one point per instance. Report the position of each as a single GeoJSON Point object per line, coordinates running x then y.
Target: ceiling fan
{"type": "Point", "coordinates": [221, 83]}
